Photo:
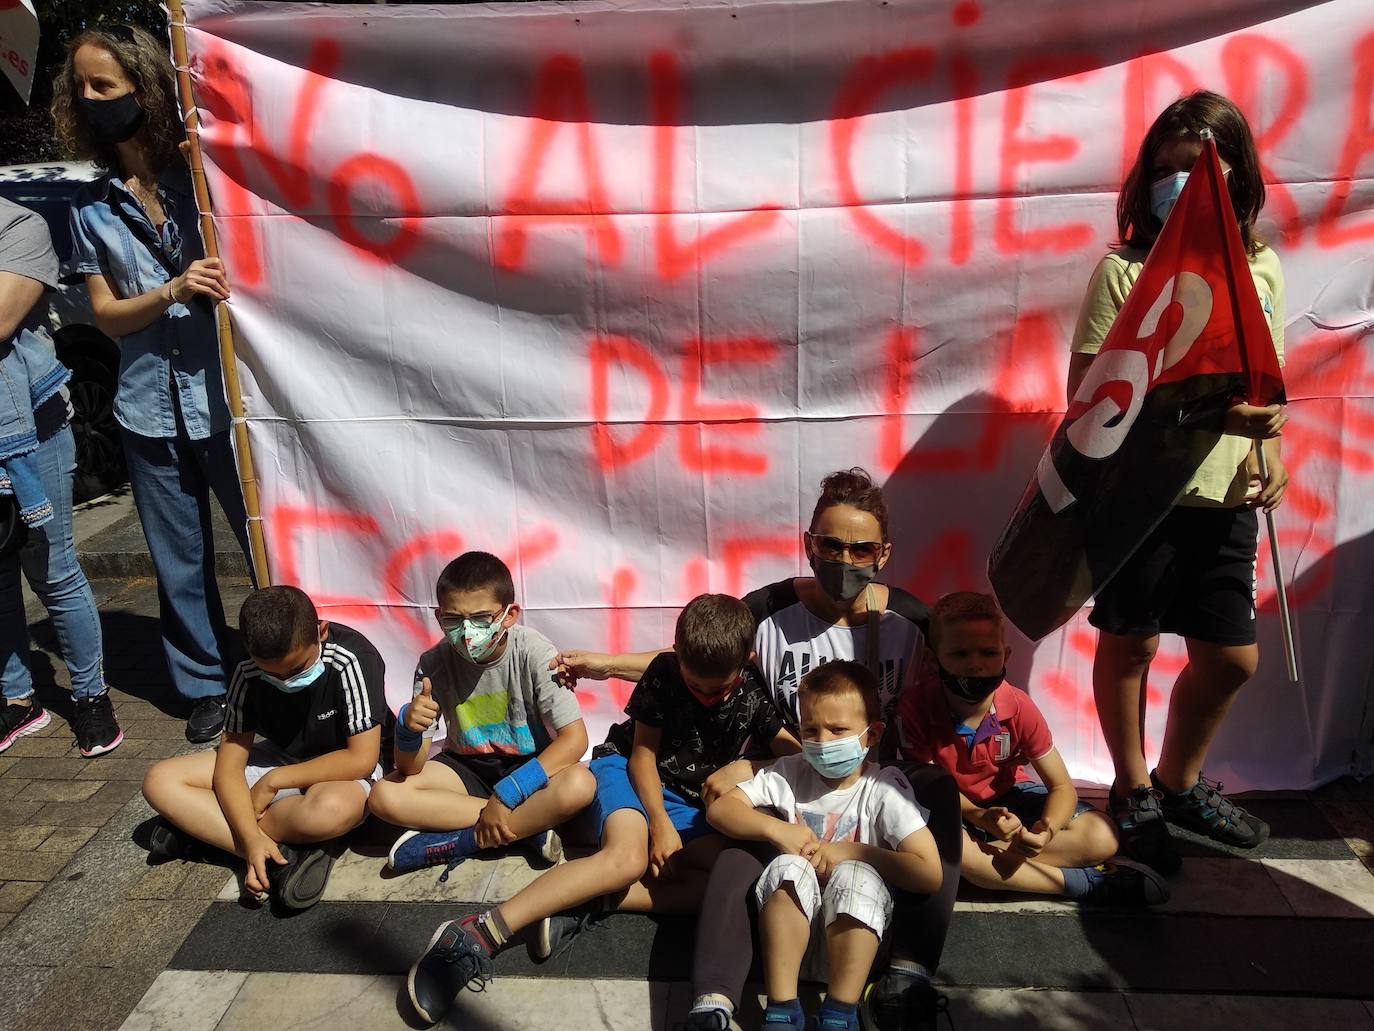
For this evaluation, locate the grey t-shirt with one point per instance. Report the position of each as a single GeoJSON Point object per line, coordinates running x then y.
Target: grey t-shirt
{"type": "Point", "coordinates": [26, 250]}
{"type": "Point", "coordinates": [512, 706]}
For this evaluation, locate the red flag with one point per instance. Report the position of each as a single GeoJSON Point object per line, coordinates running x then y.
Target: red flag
{"type": "Point", "coordinates": [1190, 341]}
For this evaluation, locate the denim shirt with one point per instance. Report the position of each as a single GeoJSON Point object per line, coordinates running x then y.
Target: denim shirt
{"type": "Point", "coordinates": [111, 234]}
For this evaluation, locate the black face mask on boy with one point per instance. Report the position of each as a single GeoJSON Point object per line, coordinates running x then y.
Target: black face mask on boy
{"type": "Point", "coordinates": [112, 121]}
{"type": "Point", "coordinates": [972, 689]}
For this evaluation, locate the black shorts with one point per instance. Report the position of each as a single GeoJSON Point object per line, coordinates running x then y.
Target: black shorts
{"type": "Point", "coordinates": [1193, 576]}
{"type": "Point", "coordinates": [479, 773]}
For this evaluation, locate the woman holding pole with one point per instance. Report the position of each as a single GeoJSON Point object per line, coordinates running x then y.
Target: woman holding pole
{"type": "Point", "coordinates": [135, 238]}
{"type": "Point", "coordinates": [1195, 574]}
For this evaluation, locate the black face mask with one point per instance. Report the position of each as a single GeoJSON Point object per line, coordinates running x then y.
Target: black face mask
{"type": "Point", "coordinates": [112, 121]}
{"type": "Point", "coordinates": [972, 689]}
{"type": "Point", "coordinates": [842, 581]}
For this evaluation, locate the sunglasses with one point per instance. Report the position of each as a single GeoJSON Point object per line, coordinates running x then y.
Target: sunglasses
{"type": "Point", "coordinates": [863, 553]}
{"type": "Point", "coordinates": [480, 619]}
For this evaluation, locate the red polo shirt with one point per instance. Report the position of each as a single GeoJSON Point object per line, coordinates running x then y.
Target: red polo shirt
{"type": "Point", "coordinates": [1013, 733]}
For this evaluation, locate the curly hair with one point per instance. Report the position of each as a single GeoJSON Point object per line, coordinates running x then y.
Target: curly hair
{"type": "Point", "coordinates": [147, 65]}
{"type": "Point", "coordinates": [852, 487]}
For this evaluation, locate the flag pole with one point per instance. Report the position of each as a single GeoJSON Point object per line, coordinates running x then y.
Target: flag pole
{"type": "Point", "coordinates": [1290, 656]}
{"type": "Point", "coordinates": [228, 362]}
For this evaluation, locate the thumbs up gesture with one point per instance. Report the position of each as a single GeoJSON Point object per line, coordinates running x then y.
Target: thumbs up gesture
{"type": "Point", "coordinates": [423, 710]}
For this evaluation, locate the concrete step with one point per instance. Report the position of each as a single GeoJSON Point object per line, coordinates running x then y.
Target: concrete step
{"type": "Point", "coordinates": [110, 542]}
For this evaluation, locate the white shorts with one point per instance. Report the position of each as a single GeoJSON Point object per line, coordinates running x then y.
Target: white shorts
{"type": "Point", "coordinates": [854, 890]}
{"type": "Point", "coordinates": [264, 757]}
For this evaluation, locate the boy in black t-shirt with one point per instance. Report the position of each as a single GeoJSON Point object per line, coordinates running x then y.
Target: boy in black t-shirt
{"type": "Point", "coordinates": [693, 711]}
{"type": "Point", "coordinates": [302, 738]}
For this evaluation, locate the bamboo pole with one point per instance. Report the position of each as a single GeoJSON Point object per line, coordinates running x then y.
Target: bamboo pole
{"type": "Point", "coordinates": [228, 363]}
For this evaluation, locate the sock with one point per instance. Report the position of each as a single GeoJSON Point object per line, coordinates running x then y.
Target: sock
{"type": "Point", "coordinates": [489, 929]}
{"type": "Point", "coordinates": [1080, 881]}
{"type": "Point", "coordinates": [838, 1014]}
{"type": "Point", "coordinates": [788, 1011]}
{"type": "Point", "coordinates": [713, 1002]}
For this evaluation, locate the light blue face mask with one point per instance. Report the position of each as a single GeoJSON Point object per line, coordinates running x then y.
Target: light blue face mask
{"type": "Point", "coordinates": [301, 680]}
{"type": "Point", "coordinates": [837, 758]}
{"type": "Point", "coordinates": [1165, 193]}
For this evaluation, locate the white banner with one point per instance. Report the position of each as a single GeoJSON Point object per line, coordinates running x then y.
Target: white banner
{"type": "Point", "coordinates": [607, 288]}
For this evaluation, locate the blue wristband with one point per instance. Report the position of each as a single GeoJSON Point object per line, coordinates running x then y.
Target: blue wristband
{"type": "Point", "coordinates": [518, 785]}
{"type": "Point", "coordinates": [407, 740]}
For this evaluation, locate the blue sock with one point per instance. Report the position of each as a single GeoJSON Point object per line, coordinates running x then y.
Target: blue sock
{"type": "Point", "coordinates": [842, 1016]}
{"type": "Point", "coordinates": [785, 1014]}
{"type": "Point", "coordinates": [1080, 881]}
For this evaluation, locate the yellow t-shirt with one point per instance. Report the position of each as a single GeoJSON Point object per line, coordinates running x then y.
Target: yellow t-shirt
{"type": "Point", "coordinates": [1221, 481]}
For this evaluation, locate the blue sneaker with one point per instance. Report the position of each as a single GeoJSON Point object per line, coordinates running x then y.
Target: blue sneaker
{"type": "Point", "coordinates": [778, 1017]}
{"type": "Point", "coordinates": [453, 960]}
{"type": "Point", "coordinates": [417, 849]}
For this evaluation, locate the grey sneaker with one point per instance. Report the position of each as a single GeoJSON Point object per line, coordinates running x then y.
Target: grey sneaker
{"type": "Point", "coordinates": [1144, 834]}
{"type": "Point", "coordinates": [1203, 810]}
{"type": "Point", "coordinates": [453, 960]}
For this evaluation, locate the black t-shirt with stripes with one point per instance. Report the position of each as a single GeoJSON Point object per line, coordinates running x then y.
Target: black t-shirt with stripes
{"type": "Point", "coordinates": [348, 698]}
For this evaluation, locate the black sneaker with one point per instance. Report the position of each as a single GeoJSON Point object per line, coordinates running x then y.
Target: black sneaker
{"type": "Point", "coordinates": [18, 720]}
{"type": "Point", "coordinates": [452, 961]}
{"type": "Point", "coordinates": [168, 842]}
{"type": "Point", "coordinates": [206, 721]}
{"type": "Point", "coordinates": [1203, 810]}
{"type": "Point", "coordinates": [713, 1018]}
{"type": "Point", "coordinates": [900, 1002]}
{"type": "Point", "coordinates": [300, 883]}
{"type": "Point", "coordinates": [97, 730]}
{"type": "Point", "coordinates": [557, 932]}
{"type": "Point", "coordinates": [1123, 883]}
{"type": "Point", "coordinates": [1144, 834]}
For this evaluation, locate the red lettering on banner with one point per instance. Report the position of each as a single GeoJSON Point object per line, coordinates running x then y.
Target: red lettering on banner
{"type": "Point", "coordinates": [1140, 93]}
{"type": "Point", "coordinates": [623, 582]}
{"type": "Point", "coordinates": [946, 564]}
{"type": "Point", "coordinates": [226, 95]}
{"type": "Point", "coordinates": [605, 354]}
{"type": "Point", "coordinates": [1242, 60]}
{"type": "Point", "coordinates": [899, 361]}
{"type": "Point", "coordinates": [560, 100]}
{"type": "Point", "coordinates": [737, 552]}
{"type": "Point", "coordinates": [1359, 142]}
{"type": "Point", "coordinates": [443, 544]}
{"type": "Point", "coordinates": [695, 454]}
{"type": "Point", "coordinates": [857, 97]}
{"type": "Point", "coordinates": [1019, 150]}
{"type": "Point", "coordinates": [288, 520]}
{"type": "Point", "coordinates": [674, 258]}
{"type": "Point", "coordinates": [965, 77]}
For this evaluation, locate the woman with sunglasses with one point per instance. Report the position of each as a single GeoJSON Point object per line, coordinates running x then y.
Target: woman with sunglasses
{"type": "Point", "coordinates": [136, 240]}
{"type": "Point", "coordinates": [843, 611]}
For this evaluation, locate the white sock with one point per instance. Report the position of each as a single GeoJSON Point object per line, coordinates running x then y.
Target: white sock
{"type": "Point", "coordinates": [712, 1002]}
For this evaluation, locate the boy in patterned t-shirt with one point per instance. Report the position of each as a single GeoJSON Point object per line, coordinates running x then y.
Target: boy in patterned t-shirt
{"type": "Point", "coordinates": [509, 769]}
{"type": "Point", "coordinates": [693, 711]}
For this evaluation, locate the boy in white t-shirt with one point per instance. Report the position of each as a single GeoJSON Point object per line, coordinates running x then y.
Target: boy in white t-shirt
{"type": "Point", "coordinates": [847, 829]}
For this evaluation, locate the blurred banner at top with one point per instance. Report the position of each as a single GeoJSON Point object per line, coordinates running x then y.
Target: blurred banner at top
{"type": "Point", "coordinates": [18, 44]}
{"type": "Point", "coordinates": [1190, 341]}
{"type": "Point", "coordinates": [607, 288]}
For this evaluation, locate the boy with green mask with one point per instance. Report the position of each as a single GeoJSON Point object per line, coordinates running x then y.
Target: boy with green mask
{"type": "Point", "coordinates": [509, 767]}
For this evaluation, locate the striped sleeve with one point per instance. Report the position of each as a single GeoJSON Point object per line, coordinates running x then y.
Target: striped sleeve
{"type": "Point", "coordinates": [361, 712]}
{"type": "Point", "coordinates": [237, 718]}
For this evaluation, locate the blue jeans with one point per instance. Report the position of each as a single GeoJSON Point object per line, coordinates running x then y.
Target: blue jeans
{"type": "Point", "coordinates": [48, 559]}
{"type": "Point", "coordinates": [172, 478]}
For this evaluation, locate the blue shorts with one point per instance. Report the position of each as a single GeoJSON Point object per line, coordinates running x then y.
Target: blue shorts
{"type": "Point", "coordinates": [614, 792]}
{"type": "Point", "coordinates": [1026, 799]}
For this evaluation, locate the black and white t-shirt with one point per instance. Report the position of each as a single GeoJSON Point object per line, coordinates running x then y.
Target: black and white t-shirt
{"type": "Point", "coordinates": [349, 698]}
{"type": "Point", "coordinates": [697, 740]}
{"type": "Point", "coordinates": [791, 641]}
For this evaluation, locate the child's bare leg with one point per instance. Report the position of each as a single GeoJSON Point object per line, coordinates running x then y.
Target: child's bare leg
{"type": "Point", "coordinates": [998, 870]}
{"type": "Point", "coordinates": [1121, 666]}
{"type": "Point", "coordinates": [181, 789]}
{"type": "Point", "coordinates": [1089, 839]}
{"type": "Point", "coordinates": [568, 792]}
{"type": "Point", "coordinates": [681, 888]}
{"type": "Point", "coordinates": [785, 930]}
{"type": "Point", "coordinates": [622, 860]}
{"type": "Point", "coordinates": [326, 811]}
{"type": "Point", "coordinates": [850, 948]}
{"type": "Point", "coordinates": [432, 800]}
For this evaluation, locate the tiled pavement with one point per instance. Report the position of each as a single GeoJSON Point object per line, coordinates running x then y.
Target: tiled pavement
{"type": "Point", "coordinates": [91, 937]}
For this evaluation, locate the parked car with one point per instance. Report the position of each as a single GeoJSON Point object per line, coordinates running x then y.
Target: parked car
{"type": "Point", "coordinates": [90, 354]}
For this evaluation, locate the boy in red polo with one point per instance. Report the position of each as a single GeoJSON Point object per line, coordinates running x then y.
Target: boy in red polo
{"type": "Point", "coordinates": [1019, 835]}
